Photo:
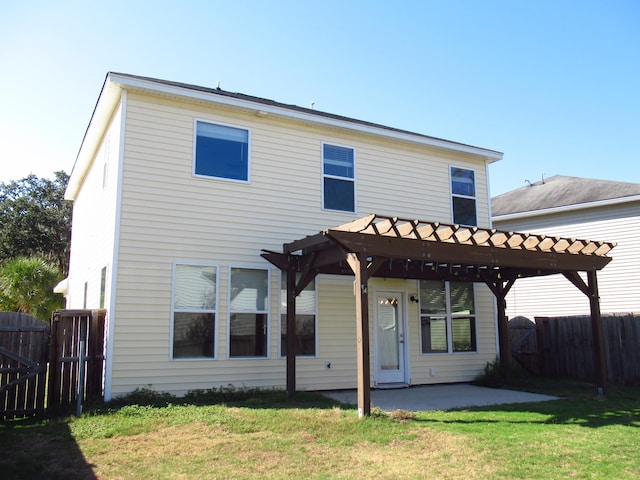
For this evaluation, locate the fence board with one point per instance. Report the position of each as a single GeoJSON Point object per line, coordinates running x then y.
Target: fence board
{"type": "Point", "coordinates": [565, 347]}
{"type": "Point", "coordinates": [24, 344]}
{"type": "Point", "coordinates": [66, 329]}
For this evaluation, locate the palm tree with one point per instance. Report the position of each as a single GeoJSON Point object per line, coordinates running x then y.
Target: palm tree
{"type": "Point", "coordinates": [26, 286]}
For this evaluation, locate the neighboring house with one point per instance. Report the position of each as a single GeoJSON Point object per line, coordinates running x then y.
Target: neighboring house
{"type": "Point", "coordinates": [183, 196]}
{"type": "Point", "coordinates": [583, 208]}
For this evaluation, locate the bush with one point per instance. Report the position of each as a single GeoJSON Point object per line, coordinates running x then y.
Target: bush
{"type": "Point", "coordinates": [495, 375]}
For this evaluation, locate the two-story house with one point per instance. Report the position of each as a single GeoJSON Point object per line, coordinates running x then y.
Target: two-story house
{"type": "Point", "coordinates": [193, 207]}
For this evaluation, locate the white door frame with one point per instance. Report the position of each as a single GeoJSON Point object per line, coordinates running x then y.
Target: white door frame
{"type": "Point", "coordinates": [402, 375]}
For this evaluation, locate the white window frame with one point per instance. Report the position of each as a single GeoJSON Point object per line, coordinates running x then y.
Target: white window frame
{"type": "Point", "coordinates": [195, 143]}
{"type": "Point", "coordinates": [281, 310]}
{"type": "Point", "coordinates": [338, 177]}
{"type": "Point", "coordinates": [214, 311]}
{"type": "Point", "coordinates": [449, 316]}
{"type": "Point", "coordinates": [457, 195]}
{"type": "Point", "coordinates": [267, 312]}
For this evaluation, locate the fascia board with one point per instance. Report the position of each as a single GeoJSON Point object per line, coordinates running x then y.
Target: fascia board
{"type": "Point", "coordinates": [566, 208]}
{"type": "Point", "coordinates": [107, 102]}
{"type": "Point", "coordinates": [173, 90]}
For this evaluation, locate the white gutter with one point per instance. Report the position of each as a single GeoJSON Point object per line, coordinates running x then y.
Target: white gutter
{"type": "Point", "coordinates": [102, 113]}
{"type": "Point", "coordinates": [125, 81]}
{"type": "Point", "coordinates": [115, 83]}
{"type": "Point", "coordinates": [566, 208]}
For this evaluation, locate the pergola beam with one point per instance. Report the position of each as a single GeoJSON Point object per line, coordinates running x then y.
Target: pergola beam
{"type": "Point", "coordinates": [412, 249]}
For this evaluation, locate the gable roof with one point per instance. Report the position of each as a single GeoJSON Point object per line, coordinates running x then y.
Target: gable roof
{"type": "Point", "coordinates": [128, 79]}
{"type": "Point", "coordinates": [116, 83]}
{"type": "Point", "coordinates": [563, 191]}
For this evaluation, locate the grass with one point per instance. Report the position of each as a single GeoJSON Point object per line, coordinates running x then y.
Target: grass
{"type": "Point", "coordinates": [258, 434]}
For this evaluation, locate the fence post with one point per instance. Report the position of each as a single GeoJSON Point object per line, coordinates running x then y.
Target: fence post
{"type": "Point", "coordinates": [81, 369]}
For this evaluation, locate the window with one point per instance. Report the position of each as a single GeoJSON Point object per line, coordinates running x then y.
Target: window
{"type": "Point", "coordinates": [194, 311]}
{"type": "Point", "coordinates": [248, 312]}
{"type": "Point", "coordinates": [338, 171]}
{"type": "Point", "coordinates": [221, 151]}
{"type": "Point", "coordinates": [463, 196]}
{"type": "Point", "coordinates": [447, 317]}
{"type": "Point", "coordinates": [305, 319]}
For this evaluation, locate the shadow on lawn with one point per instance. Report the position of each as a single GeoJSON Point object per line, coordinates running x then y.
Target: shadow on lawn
{"type": "Point", "coordinates": [594, 412]}
{"type": "Point", "coordinates": [232, 397]}
{"type": "Point", "coordinates": [41, 449]}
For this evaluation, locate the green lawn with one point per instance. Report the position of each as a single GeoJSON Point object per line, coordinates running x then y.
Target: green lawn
{"type": "Point", "coordinates": [264, 436]}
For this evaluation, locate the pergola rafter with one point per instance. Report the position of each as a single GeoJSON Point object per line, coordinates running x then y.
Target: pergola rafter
{"type": "Point", "coordinates": [392, 247]}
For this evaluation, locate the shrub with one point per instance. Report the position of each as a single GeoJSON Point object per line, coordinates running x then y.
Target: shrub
{"type": "Point", "coordinates": [495, 375]}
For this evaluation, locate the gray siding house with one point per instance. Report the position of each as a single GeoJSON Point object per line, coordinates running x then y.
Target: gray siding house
{"type": "Point", "coordinates": [575, 207]}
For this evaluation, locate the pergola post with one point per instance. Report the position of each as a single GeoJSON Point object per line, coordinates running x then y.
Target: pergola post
{"type": "Point", "coordinates": [291, 328]}
{"type": "Point", "coordinates": [392, 247]}
{"type": "Point", "coordinates": [504, 341]}
{"type": "Point", "coordinates": [599, 354]}
{"type": "Point", "coordinates": [590, 289]}
{"type": "Point", "coordinates": [500, 290]}
{"type": "Point", "coordinates": [358, 263]}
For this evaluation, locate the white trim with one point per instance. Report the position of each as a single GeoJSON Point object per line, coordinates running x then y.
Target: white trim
{"type": "Point", "coordinates": [338, 177]}
{"type": "Point", "coordinates": [567, 208]}
{"type": "Point", "coordinates": [110, 97]}
{"type": "Point", "coordinates": [115, 85]}
{"type": "Point", "coordinates": [488, 198]}
{"type": "Point", "coordinates": [475, 191]}
{"type": "Point", "coordinates": [215, 310]}
{"type": "Point", "coordinates": [193, 154]}
{"type": "Point", "coordinates": [449, 321]}
{"type": "Point", "coordinates": [113, 283]}
{"type": "Point", "coordinates": [126, 81]}
{"type": "Point", "coordinates": [267, 312]}
{"type": "Point", "coordinates": [401, 293]}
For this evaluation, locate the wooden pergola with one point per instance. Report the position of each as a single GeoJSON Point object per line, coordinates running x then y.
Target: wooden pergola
{"type": "Point", "coordinates": [391, 247]}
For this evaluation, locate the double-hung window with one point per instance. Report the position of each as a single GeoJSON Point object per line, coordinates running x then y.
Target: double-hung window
{"type": "Point", "coordinates": [463, 196]}
{"type": "Point", "coordinates": [305, 319]}
{"type": "Point", "coordinates": [338, 169]}
{"type": "Point", "coordinates": [248, 312]}
{"type": "Point", "coordinates": [447, 317]}
{"type": "Point", "coordinates": [221, 151]}
{"type": "Point", "coordinates": [194, 311]}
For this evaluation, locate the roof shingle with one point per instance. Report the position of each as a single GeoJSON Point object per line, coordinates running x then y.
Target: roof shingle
{"type": "Point", "coordinates": [560, 191]}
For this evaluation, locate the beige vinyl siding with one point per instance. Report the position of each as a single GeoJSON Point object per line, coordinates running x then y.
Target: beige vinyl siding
{"type": "Point", "coordinates": [618, 282]}
{"type": "Point", "coordinates": [94, 220]}
{"type": "Point", "coordinates": [168, 215]}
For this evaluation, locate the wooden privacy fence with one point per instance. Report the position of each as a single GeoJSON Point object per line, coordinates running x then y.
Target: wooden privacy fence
{"type": "Point", "coordinates": [77, 353]}
{"type": "Point", "coordinates": [24, 350]}
{"type": "Point", "coordinates": [562, 347]}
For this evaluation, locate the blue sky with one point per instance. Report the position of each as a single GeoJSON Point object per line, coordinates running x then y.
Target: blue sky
{"type": "Point", "coordinates": [554, 85]}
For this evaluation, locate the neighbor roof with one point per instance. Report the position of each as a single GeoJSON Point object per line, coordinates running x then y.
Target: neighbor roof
{"type": "Point", "coordinates": [561, 191]}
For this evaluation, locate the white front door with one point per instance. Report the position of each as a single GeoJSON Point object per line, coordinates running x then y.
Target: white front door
{"type": "Point", "coordinates": [389, 357]}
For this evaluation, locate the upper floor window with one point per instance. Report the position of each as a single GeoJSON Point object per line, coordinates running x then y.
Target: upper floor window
{"type": "Point", "coordinates": [194, 311]}
{"type": "Point", "coordinates": [463, 196]}
{"type": "Point", "coordinates": [338, 169]}
{"type": "Point", "coordinates": [221, 151]}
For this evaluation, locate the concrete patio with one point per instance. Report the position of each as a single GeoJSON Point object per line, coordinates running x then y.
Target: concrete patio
{"type": "Point", "coordinates": [438, 397]}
